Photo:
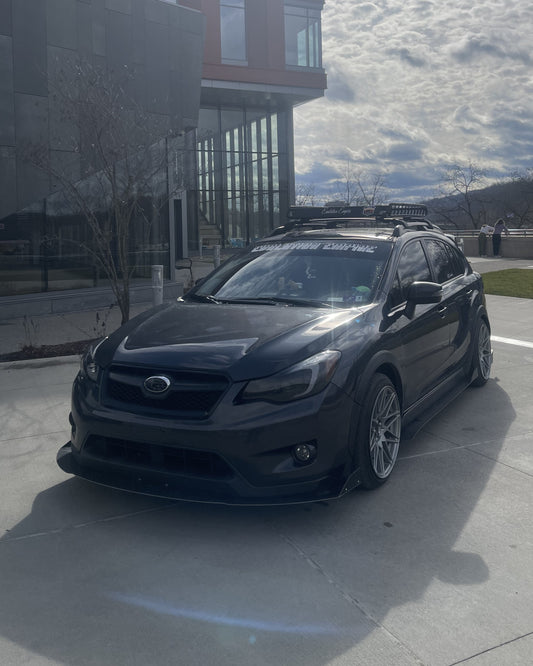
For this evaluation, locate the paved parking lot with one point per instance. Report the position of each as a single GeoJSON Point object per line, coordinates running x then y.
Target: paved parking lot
{"type": "Point", "coordinates": [434, 568]}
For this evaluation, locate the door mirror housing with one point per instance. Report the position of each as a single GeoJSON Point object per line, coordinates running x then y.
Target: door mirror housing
{"type": "Point", "coordinates": [422, 293]}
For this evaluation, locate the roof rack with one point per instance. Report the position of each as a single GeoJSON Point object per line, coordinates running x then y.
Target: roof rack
{"type": "Point", "coordinates": [409, 224]}
{"type": "Point", "coordinates": [380, 211]}
{"type": "Point", "coordinates": [402, 216]}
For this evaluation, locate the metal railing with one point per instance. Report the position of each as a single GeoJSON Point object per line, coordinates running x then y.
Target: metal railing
{"type": "Point", "coordinates": [474, 233]}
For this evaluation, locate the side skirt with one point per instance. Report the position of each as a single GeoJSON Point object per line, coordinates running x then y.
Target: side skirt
{"type": "Point", "coordinates": [431, 404]}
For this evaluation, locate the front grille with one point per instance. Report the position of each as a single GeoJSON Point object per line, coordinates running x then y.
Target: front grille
{"type": "Point", "coordinates": [157, 457]}
{"type": "Point", "coordinates": [190, 395]}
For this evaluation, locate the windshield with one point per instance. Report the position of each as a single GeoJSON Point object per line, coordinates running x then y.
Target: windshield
{"type": "Point", "coordinates": [338, 273]}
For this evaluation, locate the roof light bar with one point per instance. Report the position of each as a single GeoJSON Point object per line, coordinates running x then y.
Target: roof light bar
{"type": "Point", "coordinates": [340, 211]}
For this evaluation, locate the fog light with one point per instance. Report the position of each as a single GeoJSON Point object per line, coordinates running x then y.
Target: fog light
{"type": "Point", "coordinates": [304, 453]}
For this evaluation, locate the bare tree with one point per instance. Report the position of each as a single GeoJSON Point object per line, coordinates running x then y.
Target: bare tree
{"type": "Point", "coordinates": [372, 188]}
{"type": "Point", "coordinates": [461, 194]}
{"type": "Point", "coordinates": [305, 194]}
{"type": "Point", "coordinates": [359, 187]}
{"type": "Point", "coordinates": [114, 168]}
{"type": "Point", "coordinates": [517, 198]}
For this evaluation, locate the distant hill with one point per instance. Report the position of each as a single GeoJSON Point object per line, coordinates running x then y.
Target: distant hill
{"type": "Point", "coordinates": [512, 200]}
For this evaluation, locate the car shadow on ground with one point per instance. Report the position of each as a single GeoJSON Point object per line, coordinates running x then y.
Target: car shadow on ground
{"type": "Point", "coordinates": [97, 576]}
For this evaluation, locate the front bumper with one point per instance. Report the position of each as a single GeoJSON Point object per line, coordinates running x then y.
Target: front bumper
{"type": "Point", "coordinates": [242, 455]}
{"type": "Point", "coordinates": [169, 486]}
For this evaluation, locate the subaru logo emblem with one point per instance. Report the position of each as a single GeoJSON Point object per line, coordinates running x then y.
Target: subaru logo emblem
{"type": "Point", "coordinates": [157, 384]}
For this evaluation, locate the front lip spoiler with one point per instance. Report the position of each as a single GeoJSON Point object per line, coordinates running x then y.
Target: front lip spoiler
{"type": "Point", "coordinates": [183, 489]}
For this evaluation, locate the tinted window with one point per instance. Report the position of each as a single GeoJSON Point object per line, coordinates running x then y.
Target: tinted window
{"type": "Point", "coordinates": [457, 260]}
{"type": "Point", "coordinates": [445, 260]}
{"type": "Point", "coordinates": [440, 260]}
{"type": "Point", "coordinates": [412, 267]}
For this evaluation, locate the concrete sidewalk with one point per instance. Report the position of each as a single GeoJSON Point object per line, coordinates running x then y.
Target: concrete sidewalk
{"type": "Point", "coordinates": [433, 569]}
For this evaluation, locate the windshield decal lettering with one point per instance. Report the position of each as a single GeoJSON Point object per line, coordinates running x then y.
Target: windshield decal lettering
{"type": "Point", "coordinates": [366, 248]}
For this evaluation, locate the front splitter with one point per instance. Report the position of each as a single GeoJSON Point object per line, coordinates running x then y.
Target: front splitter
{"type": "Point", "coordinates": [159, 484]}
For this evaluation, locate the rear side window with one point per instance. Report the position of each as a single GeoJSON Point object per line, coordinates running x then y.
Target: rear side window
{"type": "Point", "coordinates": [445, 263]}
{"type": "Point", "coordinates": [458, 260]}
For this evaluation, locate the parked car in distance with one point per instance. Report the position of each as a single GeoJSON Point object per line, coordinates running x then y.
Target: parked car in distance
{"type": "Point", "coordinates": [293, 371]}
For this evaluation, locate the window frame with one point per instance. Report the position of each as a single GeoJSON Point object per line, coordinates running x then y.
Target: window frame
{"type": "Point", "coordinates": [239, 10]}
{"type": "Point", "coordinates": [312, 14]}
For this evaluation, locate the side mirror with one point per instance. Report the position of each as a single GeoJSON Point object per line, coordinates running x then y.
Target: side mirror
{"type": "Point", "coordinates": [424, 292]}
{"type": "Point", "coordinates": [421, 293]}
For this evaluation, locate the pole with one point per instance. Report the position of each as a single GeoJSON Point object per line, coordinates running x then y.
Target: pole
{"type": "Point", "coordinates": [157, 284]}
{"type": "Point", "coordinates": [216, 255]}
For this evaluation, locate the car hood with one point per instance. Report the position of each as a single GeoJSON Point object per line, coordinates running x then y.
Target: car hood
{"type": "Point", "coordinates": [241, 341]}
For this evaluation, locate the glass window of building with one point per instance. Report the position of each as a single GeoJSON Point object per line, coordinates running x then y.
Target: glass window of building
{"type": "Point", "coordinates": [243, 201]}
{"type": "Point", "coordinates": [233, 31]}
{"type": "Point", "coordinates": [303, 47]}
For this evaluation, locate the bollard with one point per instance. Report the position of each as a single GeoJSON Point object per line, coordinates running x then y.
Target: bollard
{"type": "Point", "coordinates": [216, 255]}
{"type": "Point", "coordinates": [157, 285]}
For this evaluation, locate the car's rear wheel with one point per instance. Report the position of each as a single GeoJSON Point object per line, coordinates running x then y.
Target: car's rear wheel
{"type": "Point", "coordinates": [379, 431]}
{"type": "Point", "coordinates": [482, 358]}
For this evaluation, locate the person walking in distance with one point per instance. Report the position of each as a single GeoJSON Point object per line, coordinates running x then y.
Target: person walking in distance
{"type": "Point", "coordinates": [485, 231]}
{"type": "Point", "coordinates": [499, 228]}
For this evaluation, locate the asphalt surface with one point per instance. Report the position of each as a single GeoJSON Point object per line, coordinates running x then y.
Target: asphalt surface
{"type": "Point", "coordinates": [434, 568]}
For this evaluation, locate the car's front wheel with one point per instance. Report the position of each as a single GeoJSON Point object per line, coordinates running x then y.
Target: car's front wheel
{"type": "Point", "coordinates": [482, 359]}
{"type": "Point", "coordinates": [379, 431]}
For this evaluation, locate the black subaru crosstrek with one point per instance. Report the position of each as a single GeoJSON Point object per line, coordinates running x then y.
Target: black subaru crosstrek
{"type": "Point", "coordinates": [292, 372]}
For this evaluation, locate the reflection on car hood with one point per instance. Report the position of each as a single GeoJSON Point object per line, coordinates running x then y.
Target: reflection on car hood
{"type": "Point", "coordinates": [240, 340]}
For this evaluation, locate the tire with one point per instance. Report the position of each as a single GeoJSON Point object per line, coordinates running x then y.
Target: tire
{"type": "Point", "coordinates": [482, 354]}
{"type": "Point", "coordinates": [378, 432]}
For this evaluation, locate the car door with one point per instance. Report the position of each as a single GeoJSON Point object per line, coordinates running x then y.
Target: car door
{"type": "Point", "coordinates": [449, 270]}
{"type": "Point", "coordinates": [422, 341]}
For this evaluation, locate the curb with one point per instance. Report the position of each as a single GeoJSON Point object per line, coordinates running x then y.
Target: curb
{"type": "Point", "coordinates": [40, 362]}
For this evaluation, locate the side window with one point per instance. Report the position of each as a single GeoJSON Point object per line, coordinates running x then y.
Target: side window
{"type": "Point", "coordinates": [458, 261]}
{"type": "Point", "coordinates": [444, 261]}
{"type": "Point", "coordinates": [412, 267]}
{"type": "Point", "coordinates": [440, 261]}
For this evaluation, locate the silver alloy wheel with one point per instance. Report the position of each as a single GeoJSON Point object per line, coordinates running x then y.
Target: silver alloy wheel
{"type": "Point", "coordinates": [385, 429]}
{"type": "Point", "coordinates": [484, 350]}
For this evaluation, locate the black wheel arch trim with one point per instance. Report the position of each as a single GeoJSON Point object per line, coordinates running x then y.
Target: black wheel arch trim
{"type": "Point", "coordinates": [384, 362]}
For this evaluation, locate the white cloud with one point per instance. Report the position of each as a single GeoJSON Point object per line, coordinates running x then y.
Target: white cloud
{"type": "Point", "coordinates": [414, 85]}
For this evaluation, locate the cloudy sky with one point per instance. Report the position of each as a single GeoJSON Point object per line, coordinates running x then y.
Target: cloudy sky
{"type": "Point", "coordinates": [416, 85]}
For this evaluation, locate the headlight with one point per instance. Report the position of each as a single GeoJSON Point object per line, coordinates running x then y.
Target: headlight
{"type": "Point", "coordinates": [88, 366]}
{"type": "Point", "coordinates": [299, 381]}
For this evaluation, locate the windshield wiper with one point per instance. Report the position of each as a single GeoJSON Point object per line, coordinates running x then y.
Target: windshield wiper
{"type": "Point", "coordinates": [202, 298]}
{"type": "Point", "coordinates": [276, 300]}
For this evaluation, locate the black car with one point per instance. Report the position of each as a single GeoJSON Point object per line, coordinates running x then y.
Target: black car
{"type": "Point", "coordinates": [292, 371]}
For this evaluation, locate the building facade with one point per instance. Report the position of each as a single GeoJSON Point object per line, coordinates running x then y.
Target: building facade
{"type": "Point", "coordinates": [216, 80]}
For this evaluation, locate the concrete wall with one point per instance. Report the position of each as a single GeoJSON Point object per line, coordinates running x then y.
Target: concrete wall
{"type": "Point", "coordinates": [517, 247]}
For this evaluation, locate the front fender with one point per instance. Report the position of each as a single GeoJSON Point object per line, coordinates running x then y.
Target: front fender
{"type": "Point", "coordinates": [384, 362]}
